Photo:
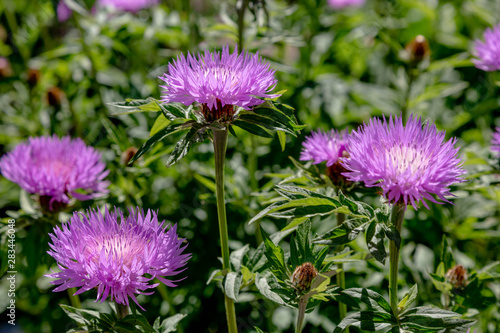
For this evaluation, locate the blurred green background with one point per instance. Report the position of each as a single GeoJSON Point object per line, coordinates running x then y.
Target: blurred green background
{"type": "Point", "coordinates": [339, 67]}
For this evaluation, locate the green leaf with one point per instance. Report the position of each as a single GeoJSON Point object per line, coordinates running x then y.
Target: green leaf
{"type": "Point", "coordinates": [262, 285]}
{"type": "Point", "coordinates": [162, 134]}
{"type": "Point", "coordinates": [80, 316]}
{"type": "Point", "coordinates": [252, 129]}
{"type": "Point", "coordinates": [170, 324]}
{"type": "Point", "coordinates": [236, 257]}
{"type": "Point", "coordinates": [258, 330]}
{"type": "Point", "coordinates": [427, 319]}
{"type": "Point", "coordinates": [371, 321]}
{"type": "Point", "coordinates": [266, 122]}
{"type": "Point", "coordinates": [282, 138]}
{"type": "Point", "coordinates": [160, 123]}
{"type": "Point", "coordinates": [375, 241]}
{"type": "Point", "coordinates": [275, 257]}
{"type": "Point", "coordinates": [137, 320]}
{"type": "Point", "coordinates": [136, 105]}
{"type": "Point", "coordinates": [393, 234]}
{"type": "Point", "coordinates": [208, 183]}
{"type": "Point", "coordinates": [374, 300]}
{"type": "Point", "coordinates": [182, 147]}
{"type": "Point", "coordinates": [408, 298]}
{"type": "Point", "coordinates": [342, 234]}
{"type": "Point", "coordinates": [173, 111]}
{"type": "Point", "coordinates": [232, 285]}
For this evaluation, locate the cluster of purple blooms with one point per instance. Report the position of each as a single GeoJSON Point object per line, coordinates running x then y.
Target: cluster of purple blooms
{"type": "Point", "coordinates": [410, 163]}
{"type": "Point", "coordinates": [488, 52]}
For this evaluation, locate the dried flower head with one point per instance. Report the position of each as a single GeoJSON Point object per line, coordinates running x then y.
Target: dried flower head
{"type": "Point", "coordinates": [55, 96]}
{"type": "Point", "coordinates": [457, 277]}
{"type": "Point", "coordinates": [339, 4]}
{"type": "Point", "coordinates": [303, 276]}
{"type": "Point", "coordinates": [55, 169]}
{"type": "Point", "coordinates": [488, 52]}
{"type": "Point", "coordinates": [495, 142]}
{"type": "Point", "coordinates": [219, 81]}
{"type": "Point", "coordinates": [409, 163]}
{"type": "Point", "coordinates": [119, 255]}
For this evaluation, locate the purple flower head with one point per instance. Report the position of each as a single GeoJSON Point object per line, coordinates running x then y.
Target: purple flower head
{"type": "Point", "coordinates": [128, 5]}
{"type": "Point", "coordinates": [324, 147]}
{"type": "Point", "coordinates": [495, 142]}
{"type": "Point", "coordinates": [409, 163]}
{"type": "Point", "coordinates": [118, 255]}
{"type": "Point", "coordinates": [56, 168]}
{"type": "Point", "coordinates": [339, 4]}
{"type": "Point", "coordinates": [218, 79]}
{"type": "Point", "coordinates": [488, 51]}
{"type": "Point", "coordinates": [63, 12]}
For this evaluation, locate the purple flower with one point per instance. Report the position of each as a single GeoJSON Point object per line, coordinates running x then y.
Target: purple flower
{"type": "Point", "coordinates": [409, 163]}
{"type": "Point", "coordinates": [324, 147]}
{"type": "Point", "coordinates": [488, 51]}
{"type": "Point", "coordinates": [128, 5]}
{"type": "Point", "coordinates": [218, 79]}
{"type": "Point", "coordinates": [63, 12]}
{"type": "Point", "coordinates": [495, 142]}
{"type": "Point", "coordinates": [118, 255]}
{"type": "Point", "coordinates": [339, 4]}
{"type": "Point", "coordinates": [55, 168]}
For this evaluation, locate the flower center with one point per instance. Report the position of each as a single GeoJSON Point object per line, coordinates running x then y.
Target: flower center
{"type": "Point", "coordinates": [404, 158]}
{"type": "Point", "coordinates": [222, 73]}
{"type": "Point", "coordinates": [116, 247]}
{"type": "Point", "coordinates": [56, 167]}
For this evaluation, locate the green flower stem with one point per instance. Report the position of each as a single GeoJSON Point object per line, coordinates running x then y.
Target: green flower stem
{"type": "Point", "coordinates": [301, 313]}
{"type": "Point", "coordinates": [341, 276]}
{"type": "Point", "coordinates": [121, 310]}
{"type": "Point", "coordinates": [397, 216]}
{"type": "Point", "coordinates": [74, 299]}
{"type": "Point", "coordinates": [220, 144]}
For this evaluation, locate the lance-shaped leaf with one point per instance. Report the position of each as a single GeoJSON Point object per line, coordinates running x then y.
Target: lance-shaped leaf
{"type": "Point", "coordinates": [342, 234]}
{"type": "Point", "coordinates": [408, 298]}
{"type": "Point", "coordinates": [428, 319]}
{"type": "Point", "coordinates": [252, 128]}
{"type": "Point", "coordinates": [182, 147]}
{"type": "Point", "coordinates": [375, 241]}
{"type": "Point", "coordinates": [232, 284]}
{"type": "Point", "coordinates": [162, 134]}
{"type": "Point", "coordinates": [266, 122]}
{"type": "Point", "coordinates": [136, 105]}
{"type": "Point", "coordinates": [371, 321]}
{"type": "Point", "coordinates": [374, 300]}
{"type": "Point", "coordinates": [275, 258]}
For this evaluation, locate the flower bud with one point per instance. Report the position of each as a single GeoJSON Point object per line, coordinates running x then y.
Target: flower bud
{"type": "Point", "coordinates": [457, 277]}
{"type": "Point", "coordinates": [5, 68]}
{"type": "Point", "coordinates": [128, 154]}
{"type": "Point", "coordinates": [33, 77]}
{"type": "Point", "coordinates": [418, 49]}
{"type": "Point", "coordinates": [55, 96]}
{"type": "Point", "coordinates": [303, 276]}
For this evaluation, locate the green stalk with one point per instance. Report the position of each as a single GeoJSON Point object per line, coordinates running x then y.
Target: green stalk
{"type": "Point", "coordinates": [220, 144]}
{"type": "Point", "coordinates": [341, 276]}
{"type": "Point", "coordinates": [301, 313]}
{"type": "Point", "coordinates": [397, 216]}
{"type": "Point", "coordinates": [74, 299]}
{"type": "Point", "coordinates": [121, 310]}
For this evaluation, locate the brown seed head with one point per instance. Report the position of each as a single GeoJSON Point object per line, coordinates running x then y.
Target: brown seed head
{"type": "Point", "coordinates": [5, 68]}
{"type": "Point", "coordinates": [128, 154]}
{"type": "Point", "coordinates": [418, 49]}
{"type": "Point", "coordinates": [334, 172]}
{"type": "Point", "coordinates": [33, 77]}
{"type": "Point", "coordinates": [55, 96]}
{"type": "Point", "coordinates": [303, 276]}
{"type": "Point", "coordinates": [457, 277]}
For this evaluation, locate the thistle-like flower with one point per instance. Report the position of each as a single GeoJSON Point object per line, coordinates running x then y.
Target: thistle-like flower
{"type": "Point", "coordinates": [118, 255]}
{"type": "Point", "coordinates": [133, 6]}
{"type": "Point", "coordinates": [495, 142]}
{"type": "Point", "coordinates": [409, 163]}
{"type": "Point", "coordinates": [457, 276]}
{"type": "Point", "coordinates": [303, 276]}
{"type": "Point", "coordinates": [339, 4]}
{"type": "Point", "coordinates": [219, 81]}
{"type": "Point", "coordinates": [55, 169]}
{"type": "Point", "coordinates": [324, 147]}
{"type": "Point", "coordinates": [488, 52]}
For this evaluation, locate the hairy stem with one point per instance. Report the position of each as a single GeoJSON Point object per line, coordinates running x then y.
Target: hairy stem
{"type": "Point", "coordinates": [220, 144]}
{"type": "Point", "coordinates": [74, 299]}
{"type": "Point", "coordinates": [341, 276]}
{"type": "Point", "coordinates": [121, 310]}
{"type": "Point", "coordinates": [397, 216]}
